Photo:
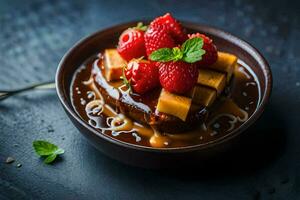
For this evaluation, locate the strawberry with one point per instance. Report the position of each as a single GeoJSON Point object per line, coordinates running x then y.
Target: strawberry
{"type": "Point", "coordinates": [177, 77]}
{"type": "Point", "coordinates": [173, 26]}
{"type": "Point", "coordinates": [211, 53]}
{"type": "Point", "coordinates": [131, 43]}
{"type": "Point", "coordinates": [142, 75]}
{"type": "Point", "coordinates": [178, 72]}
{"type": "Point", "coordinates": [156, 37]}
{"type": "Point", "coordinates": [164, 32]}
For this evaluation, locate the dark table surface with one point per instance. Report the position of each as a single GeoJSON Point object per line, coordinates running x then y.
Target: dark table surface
{"type": "Point", "coordinates": [34, 35]}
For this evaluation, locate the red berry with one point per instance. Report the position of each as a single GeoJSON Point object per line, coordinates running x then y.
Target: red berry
{"type": "Point", "coordinates": [177, 77]}
{"type": "Point", "coordinates": [131, 44]}
{"type": "Point", "coordinates": [142, 75]}
{"type": "Point", "coordinates": [164, 32]}
{"type": "Point", "coordinates": [173, 26]}
{"type": "Point", "coordinates": [211, 53]}
{"type": "Point", "coordinates": [156, 37]}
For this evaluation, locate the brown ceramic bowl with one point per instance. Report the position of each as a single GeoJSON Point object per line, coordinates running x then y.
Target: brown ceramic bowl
{"type": "Point", "coordinates": [145, 156]}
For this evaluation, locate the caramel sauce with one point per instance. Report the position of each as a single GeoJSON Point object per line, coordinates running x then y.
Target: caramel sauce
{"type": "Point", "coordinates": [229, 112]}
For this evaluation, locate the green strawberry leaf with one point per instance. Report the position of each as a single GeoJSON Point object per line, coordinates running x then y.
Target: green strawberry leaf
{"type": "Point", "coordinates": [47, 149]}
{"type": "Point", "coordinates": [191, 51]}
{"type": "Point", "coordinates": [141, 26]}
{"type": "Point", "coordinates": [125, 80]}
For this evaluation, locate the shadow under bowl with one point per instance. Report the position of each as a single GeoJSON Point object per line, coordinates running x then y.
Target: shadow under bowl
{"type": "Point", "coordinates": [151, 157]}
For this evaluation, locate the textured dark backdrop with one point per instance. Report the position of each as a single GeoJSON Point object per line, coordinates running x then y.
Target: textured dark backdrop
{"type": "Point", "coordinates": [34, 35]}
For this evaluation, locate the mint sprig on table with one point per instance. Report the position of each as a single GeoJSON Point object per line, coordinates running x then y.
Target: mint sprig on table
{"type": "Point", "coordinates": [190, 51]}
{"type": "Point", "coordinates": [48, 150]}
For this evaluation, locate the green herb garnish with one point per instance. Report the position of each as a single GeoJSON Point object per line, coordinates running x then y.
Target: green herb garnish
{"type": "Point", "coordinates": [48, 150]}
{"type": "Point", "coordinates": [191, 51]}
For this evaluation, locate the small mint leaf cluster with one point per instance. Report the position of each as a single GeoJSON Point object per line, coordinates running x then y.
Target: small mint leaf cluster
{"type": "Point", "coordinates": [190, 51]}
{"type": "Point", "coordinates": [48, 150]}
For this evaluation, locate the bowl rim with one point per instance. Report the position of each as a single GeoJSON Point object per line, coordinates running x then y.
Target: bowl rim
{"type": "Point", "coordinates": [191, 25]}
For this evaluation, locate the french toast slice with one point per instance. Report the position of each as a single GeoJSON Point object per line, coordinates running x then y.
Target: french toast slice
{"type": "Point", "coordinates": [213, 79]}
{"type": "Point", "coordinates": [173, 104]}
{"type": "Point", "coordinates": [158, 108]}
{"type": "Point", "coordinates": [203, 95]}
{"type": "Point", "coordinates": [113, 64]}
{"type": "Point", "coordinates": [225, 63]}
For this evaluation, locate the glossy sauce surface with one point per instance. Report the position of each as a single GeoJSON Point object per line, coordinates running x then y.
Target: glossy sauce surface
{"type": "Point", "coordinates": [229, 112]}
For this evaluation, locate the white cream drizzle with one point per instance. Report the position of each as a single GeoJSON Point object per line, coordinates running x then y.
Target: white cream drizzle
{"type": "Point", "coordinates": [251, 83]}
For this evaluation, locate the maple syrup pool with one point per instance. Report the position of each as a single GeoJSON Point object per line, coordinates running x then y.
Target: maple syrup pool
{"type": "Point", "coordinates": [229, 112]}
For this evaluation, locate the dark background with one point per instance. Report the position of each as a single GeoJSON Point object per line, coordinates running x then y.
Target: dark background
{"type": "Point", "coordinates": [34, 35]}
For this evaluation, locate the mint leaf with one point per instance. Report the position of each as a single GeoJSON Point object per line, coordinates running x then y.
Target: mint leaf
{"type": "Point", "coordinates": [192, 50]}
{"type": "Point", "coordinates": [177, 54]}
{"type": "Point", "coordinates": [50, 158]}
{"type": "Point", "coordinates": [44, 148]}
{"type": "Point", "coordinates": [47, 149]}
{"type": "Point", "coordinates": [162, 55]}
{"type": "Point", "coordinates": [192, 45]}
{"type": "Point", "coordinates": [59, 151]}
{"type": "Point", "coordinates": [192, 57]}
